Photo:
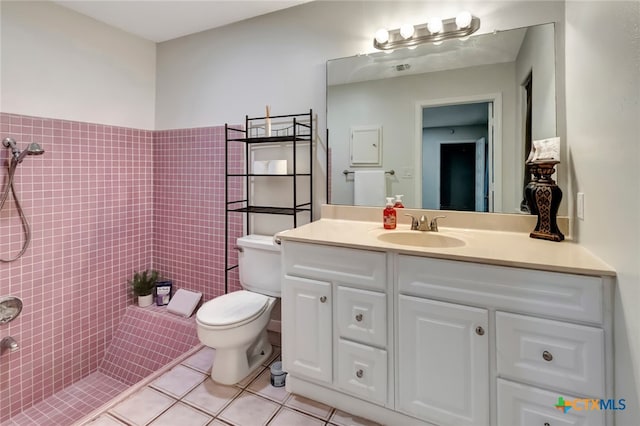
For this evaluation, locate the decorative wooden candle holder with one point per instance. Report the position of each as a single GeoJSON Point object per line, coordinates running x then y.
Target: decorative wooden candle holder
{"type": "Point", "coordinates": [544, 196]}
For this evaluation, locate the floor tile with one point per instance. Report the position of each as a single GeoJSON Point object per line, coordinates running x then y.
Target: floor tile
{"type": "Point", "coordinates": [218, 422]}
{"type": "Point", "coordinates": [287, 417]}
{"type": "Point", "coordinates": [183, 415]}
{"type": "Point", "coordinates": [245, 382]}
{"type": "Point", "coordinates": [201, 360]}
{"type": "Point", "coordinates": [142, 407]}
{"type": "Point", "coordinates": [309, 406]}
{"type": "Point", "coordinates": [178, 381]}
{"type": "Point", "coordinates": [262, 386]}
{"type": "Point", "coordinates": [211, 396]}
{"type": "Point", "coordinates": [105, 420]}
{"type": "Point", "coordinates": [249, 410]}
{"type": "Point", "coordinates": [340, 418]}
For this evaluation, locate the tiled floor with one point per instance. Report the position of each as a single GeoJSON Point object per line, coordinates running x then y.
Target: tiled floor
{"type": "Point", "coordinates": [72, 403]}
{"type": "Point", "coordinates": [186, 396]}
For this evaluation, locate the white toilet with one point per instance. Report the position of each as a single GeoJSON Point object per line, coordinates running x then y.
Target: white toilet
{"type": "Point", "coordinates": [235, 324]}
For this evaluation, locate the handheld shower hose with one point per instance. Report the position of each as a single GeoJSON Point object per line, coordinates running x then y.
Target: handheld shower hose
{"type": "Point", "coordinates": [13, 161]}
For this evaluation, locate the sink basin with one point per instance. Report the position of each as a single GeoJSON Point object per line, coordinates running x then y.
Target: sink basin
{"type": "Point", "coordinates": [420, 239]}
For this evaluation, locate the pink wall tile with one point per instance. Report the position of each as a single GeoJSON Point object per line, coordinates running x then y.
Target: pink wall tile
{"type": "Point", "coordinates": [189, 208]}
{"type": "Point", "coordinates": [102, 202]}
{"type": "Point", "coordinates": [147, 339]}
{"type": "Point", "coordinates": [89, 200]}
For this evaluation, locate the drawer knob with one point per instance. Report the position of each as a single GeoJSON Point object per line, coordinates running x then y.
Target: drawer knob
{"type": "Point", "coordinates": [359, 317]}
{"type": "Point", "coordinates": [479, 331]}
{"type": "Point", "coordinates": [546, 355]}
{"type": "Point", "coordinates": [546, 424]}
{"type": "Point", "coordinates": [323, 299]}
{"type": "Point", "coordinates": [359, 374]}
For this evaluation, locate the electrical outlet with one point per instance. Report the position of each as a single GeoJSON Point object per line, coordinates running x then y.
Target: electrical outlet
{"type": "Point", "coordinates": [580, 205]}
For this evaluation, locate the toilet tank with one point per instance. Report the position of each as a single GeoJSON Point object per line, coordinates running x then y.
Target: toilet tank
{"type": "Point", "coordinates": [259, 264]}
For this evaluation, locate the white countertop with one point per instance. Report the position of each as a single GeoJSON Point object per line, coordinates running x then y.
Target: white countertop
{"type": "Point", "coordinates": [515, 249]}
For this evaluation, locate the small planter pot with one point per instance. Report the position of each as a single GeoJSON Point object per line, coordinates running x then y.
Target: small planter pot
{"type": "Point", "coordinates": [144, 301]}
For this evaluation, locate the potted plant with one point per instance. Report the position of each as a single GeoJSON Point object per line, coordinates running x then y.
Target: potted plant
{"type": "Point", "coordinates": [143, 284]}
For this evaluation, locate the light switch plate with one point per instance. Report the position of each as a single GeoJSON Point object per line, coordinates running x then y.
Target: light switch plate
{"type": "Point", "coordinates": [580, 205]}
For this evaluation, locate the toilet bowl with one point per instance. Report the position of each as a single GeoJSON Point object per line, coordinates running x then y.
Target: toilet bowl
{"type": "Point", "coordinates": [235, 324]}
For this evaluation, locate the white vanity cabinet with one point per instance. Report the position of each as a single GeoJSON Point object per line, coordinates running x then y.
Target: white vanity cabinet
{"type": "Point", "coordinates": [409, 339]}
{"type": "Point", "coordinates": [334, 318]}
{"type": "Point", "coordinates": [546, 334]}
{"type": "Point", "coordinates": [443, 361]}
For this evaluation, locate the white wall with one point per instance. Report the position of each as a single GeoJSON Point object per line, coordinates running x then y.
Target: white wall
{"type": "Point", "coordinates": [59, 64]}
{"type": "Point", "coordinates": [279, 59]}
{"type": "Point", "coordinates": [603, 132]}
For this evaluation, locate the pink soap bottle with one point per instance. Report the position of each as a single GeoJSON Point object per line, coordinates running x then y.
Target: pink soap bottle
{"type": "Point", "coordinates": [398, 204]}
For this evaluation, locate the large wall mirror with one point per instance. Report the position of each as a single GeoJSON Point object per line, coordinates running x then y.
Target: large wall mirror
{"type": "Point", "coordinates": [452, 121]}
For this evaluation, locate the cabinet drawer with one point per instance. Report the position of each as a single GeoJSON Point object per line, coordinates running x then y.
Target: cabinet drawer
{"type": "Point", "coordinates": [565, 296]}
{"type": "Point", "coordinates": [528, 406]}
{"type": "Point", "coordinates": [362, 316]}
{"type": "Point", "coordinates": [362, 371]}
{"type": "Point", "coordinates": [360, 268]}
{"type": "Point", "coordinates": [551, 353]}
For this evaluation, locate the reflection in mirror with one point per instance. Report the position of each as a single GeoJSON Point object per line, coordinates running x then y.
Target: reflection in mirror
{"type": "Point", "coordinates": [451, 118]}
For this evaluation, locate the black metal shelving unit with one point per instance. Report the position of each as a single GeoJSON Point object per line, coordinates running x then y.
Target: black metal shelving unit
{"type": "Point", "coordinates": [299, 132]}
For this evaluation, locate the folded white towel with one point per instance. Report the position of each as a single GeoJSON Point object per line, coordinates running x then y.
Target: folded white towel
{"type": "Point", "coordinates": [369, 187]}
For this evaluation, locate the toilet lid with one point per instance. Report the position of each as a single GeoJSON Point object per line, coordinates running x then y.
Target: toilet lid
{"type": "Point", "coordinates": [232, 308]}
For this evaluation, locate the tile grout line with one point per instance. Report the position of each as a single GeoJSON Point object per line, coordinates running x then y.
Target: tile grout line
{"type": "Point", "coordinates": [136, 387]}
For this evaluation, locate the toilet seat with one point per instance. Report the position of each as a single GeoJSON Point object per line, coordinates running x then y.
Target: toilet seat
{"type": "Point", "coordinates": [232, 310]}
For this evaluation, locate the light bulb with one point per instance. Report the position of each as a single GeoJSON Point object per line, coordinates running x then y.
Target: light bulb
{"type": "Point", "coordinates": [463, 20]}
{"type": "Point", "coordinates": [406, 31]}
{"type": "Point", "coordinates": [434, 25]}
{"type": "Point", "coordinates": [382, 35]}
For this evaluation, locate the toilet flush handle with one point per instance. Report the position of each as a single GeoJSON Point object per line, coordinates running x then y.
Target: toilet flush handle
{"type": "Point", "coordinates": [240, 249]}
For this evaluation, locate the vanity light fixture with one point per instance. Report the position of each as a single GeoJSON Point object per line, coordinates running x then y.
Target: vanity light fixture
{"type": "Point", "coordinates": [434, 31]}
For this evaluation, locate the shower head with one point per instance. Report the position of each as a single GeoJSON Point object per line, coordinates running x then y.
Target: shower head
{"type": "Point", "coordinates": [18, 156]}
{"type": "Point", "coordinates": [35, 149]}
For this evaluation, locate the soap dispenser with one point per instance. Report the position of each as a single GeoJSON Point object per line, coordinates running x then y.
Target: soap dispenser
{"type": "Point", "coordinates": [398, 204]}
{"type": "Point", "coordinates": [389, 215]}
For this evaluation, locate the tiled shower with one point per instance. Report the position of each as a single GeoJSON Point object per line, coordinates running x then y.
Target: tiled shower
{"type": "Point", "coordinates": [102, 202]}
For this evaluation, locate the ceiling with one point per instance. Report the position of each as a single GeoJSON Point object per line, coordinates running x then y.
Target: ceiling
{"type": "Point", "coordinates": [162, 20]}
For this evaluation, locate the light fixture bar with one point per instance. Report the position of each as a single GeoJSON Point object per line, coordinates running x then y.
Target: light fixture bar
{"type": "Point", "coordinates": [423, 35]}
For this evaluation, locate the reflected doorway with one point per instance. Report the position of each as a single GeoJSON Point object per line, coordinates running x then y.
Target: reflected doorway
{"type": "Point", "coordinates": [456, 157]}
{"type": "Point", "coordinates": [457, 176]}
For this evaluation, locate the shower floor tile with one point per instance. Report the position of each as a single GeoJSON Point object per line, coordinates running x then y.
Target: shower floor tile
{"type": "Point", "coordinates": [71, 404]}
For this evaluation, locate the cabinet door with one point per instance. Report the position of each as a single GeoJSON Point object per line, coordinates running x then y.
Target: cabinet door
{"type": "Point", "coordinates": [528, 406]}
{"type": "Point", "coordinates": [362, 370]}
{"type": "Point", "coordinates": [443, 362]}
{"type": "Point", "coordinates": [306, 322]}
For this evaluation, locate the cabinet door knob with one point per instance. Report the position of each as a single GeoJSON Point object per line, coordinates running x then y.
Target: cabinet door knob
{"type": "Point", "coordinates": [546, 355]}
{"type": "Point", "coordinates": [359, 374]}
{"type": "Point", "coordinates": [323, 299]}
{"type": "Point", "coordinates": [359, 317]}
{"type": "Point", "coordinates": [479, 331]}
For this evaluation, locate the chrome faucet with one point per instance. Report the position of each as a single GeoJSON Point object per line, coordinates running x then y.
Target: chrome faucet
{"type": "Point", "coordinates": [423, 224]}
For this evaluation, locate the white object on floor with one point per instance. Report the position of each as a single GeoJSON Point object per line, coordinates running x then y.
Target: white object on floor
{"type": "Point", "coordinates": [184, 302]}
{"type": "Point", "coordinates": [369, 187]}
